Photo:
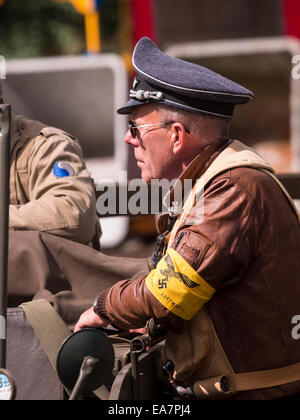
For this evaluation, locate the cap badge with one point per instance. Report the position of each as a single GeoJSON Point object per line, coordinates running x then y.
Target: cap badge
{"type": "Point", "coordinates": [145, 95]}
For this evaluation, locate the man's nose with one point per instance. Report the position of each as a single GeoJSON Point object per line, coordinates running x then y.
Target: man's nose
{"type": "Point", "coordinates": [130, 140]}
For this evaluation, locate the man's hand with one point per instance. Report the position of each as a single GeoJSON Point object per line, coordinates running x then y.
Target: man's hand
{"type": "Point", "coordinates": [138, 330]}
{"type": "Point", "coordinates": [90, 319]}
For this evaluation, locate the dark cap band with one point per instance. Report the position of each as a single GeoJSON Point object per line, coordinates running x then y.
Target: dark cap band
{"type": "Point", "coordinates": [147, 92]}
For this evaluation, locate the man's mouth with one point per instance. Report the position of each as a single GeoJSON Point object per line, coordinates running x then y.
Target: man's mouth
{"type": "Point", "coordinates": [139, 161]}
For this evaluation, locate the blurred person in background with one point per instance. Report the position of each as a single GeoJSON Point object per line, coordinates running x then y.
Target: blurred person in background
{"type": "Point", "coordinates": [224, 286]}
{"type": "Point", "coordinates": [50, 188]}
{"type": "Point", "coordinates": [52, 219]}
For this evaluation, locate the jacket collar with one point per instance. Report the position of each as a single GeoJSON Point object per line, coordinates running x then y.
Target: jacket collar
{"type": "Point", "coordinates": [18, 126]}
{"type": "Point", "coordinates": [195, 169]}
{"type": "Point", "coordinates": [198, 165]}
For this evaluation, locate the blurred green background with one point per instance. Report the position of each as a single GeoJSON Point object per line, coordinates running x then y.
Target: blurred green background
{"type": "Point", "coordinates": [35, 28]}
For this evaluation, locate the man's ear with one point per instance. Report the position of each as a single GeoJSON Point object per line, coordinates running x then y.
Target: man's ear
{"type": "Point", "coordinates": [177, 137]}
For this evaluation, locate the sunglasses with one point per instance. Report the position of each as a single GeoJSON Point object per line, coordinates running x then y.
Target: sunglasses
{"type": "Point", "coordinates": [134, 129]}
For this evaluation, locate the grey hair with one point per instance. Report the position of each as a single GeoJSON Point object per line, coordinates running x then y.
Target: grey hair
{"type": "Point", "coordinates": [200, 126]}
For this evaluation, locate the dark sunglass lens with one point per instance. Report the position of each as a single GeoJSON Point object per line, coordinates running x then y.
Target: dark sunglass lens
{"type": "Point", "coordinates": [132, 129]}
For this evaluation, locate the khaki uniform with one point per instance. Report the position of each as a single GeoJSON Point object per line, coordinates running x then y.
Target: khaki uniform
{"type": "Point", "coordinates": [39, 200]}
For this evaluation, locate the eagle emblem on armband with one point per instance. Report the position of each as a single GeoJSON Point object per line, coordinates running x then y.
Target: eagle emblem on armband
{"type": "Point", "coordinates": [170, 272]}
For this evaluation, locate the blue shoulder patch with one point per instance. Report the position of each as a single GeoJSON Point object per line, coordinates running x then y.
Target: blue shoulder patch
{"type": "Point", "coordinates": [63, 169]}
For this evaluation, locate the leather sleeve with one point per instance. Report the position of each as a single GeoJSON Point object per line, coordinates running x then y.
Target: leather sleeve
{"type": "Point", "coordinates": [218, 249]}
{"type": "Point", "coordinates": [222, 246]}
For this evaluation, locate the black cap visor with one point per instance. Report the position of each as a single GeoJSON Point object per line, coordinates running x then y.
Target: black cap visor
{"type": "Point", "coordinates": [209, 109]}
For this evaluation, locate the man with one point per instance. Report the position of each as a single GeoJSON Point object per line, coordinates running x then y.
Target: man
{"type": "Point", "coordinates": [50, 188]}
{"type": "Point", "coordinates": [225, 285]}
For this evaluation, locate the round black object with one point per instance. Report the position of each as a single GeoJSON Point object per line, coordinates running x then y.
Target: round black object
{"type": "Point", "coordinates": [87, 342]}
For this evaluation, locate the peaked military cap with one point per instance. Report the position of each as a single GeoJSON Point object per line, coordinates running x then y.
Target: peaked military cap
{"type": "Point", "coordinates": [181, 84]}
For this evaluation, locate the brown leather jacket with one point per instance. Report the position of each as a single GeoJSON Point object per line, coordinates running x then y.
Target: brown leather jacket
{"type": "Point", "coordinates": [247, 250]}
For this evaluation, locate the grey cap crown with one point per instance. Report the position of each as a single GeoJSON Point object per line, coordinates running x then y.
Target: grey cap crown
{"type": "Point", "coordinates": [184, 77]}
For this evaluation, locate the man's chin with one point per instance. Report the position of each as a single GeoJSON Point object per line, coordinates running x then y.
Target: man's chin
{"type": "Point", "coordinates": [146, 177]}
{"type": "Point", "coordinates": [147, 180]}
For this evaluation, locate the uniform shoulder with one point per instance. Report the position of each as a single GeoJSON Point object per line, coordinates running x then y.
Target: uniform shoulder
{"type": "Point", "coordinates": [253, 179]}
{"type": "Point", "coordinates": [27, 127]}
{"type": "Point", "coordinates": [256, 184]}
{"type": "Point", "coordinates": [49, 131]}
{"type": "Point", "coordinates": [245, 176]}
{"type": "Point", "coordinates": [34, 128]}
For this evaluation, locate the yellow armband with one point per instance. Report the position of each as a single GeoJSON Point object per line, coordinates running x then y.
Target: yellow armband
{"type": "Point", "coordinates": [178, 287]}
